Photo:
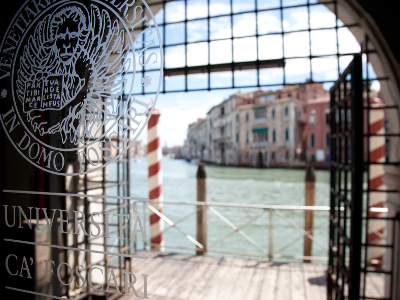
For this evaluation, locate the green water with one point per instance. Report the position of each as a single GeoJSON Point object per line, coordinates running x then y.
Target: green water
{"type": "Point", "coordinates": [237, 185]}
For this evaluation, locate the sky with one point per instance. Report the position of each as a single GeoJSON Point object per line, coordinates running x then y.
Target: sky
{"type": "Point", "coordinates": [180, 109]}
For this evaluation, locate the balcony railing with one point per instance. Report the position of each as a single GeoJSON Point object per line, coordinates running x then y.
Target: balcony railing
{"type": "Point", "coordinates": [260, 120]}
{"type": "Point", "coordinates": [262, 144]}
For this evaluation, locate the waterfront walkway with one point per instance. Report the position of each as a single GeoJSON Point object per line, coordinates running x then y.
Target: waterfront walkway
{"type": "Point", "coordinates": [189, 277]}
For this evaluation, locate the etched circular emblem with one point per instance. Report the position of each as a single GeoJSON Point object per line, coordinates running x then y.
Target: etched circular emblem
{"type": "Point", "coordinates": [68, 72]}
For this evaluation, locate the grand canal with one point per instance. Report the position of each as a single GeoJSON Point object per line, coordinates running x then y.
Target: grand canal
{"type": "Point", "coordinates": [237, 185]}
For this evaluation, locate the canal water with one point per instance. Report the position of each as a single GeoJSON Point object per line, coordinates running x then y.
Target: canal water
{"type": "Point", "coordinates": [237, 185]}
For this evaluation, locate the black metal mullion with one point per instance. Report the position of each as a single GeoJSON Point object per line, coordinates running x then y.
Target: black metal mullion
{"type": "Point", "coordinates": [283, 43]}
{"type": "Point", "coordinates": [357, 178]}
{"type": "Point", "coordinates": [232, 49]}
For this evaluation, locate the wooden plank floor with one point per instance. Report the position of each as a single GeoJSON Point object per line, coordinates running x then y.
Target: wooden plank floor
{"type": "Point", "coordinates": [184, 277]}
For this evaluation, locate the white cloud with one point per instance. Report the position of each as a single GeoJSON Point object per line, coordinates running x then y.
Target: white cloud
{"type": "Point", "coordinates": [244, 25]}
{"type": "Point", "coordinates": [221, 52]}
{"type": "Point", "coordinates": [197, 54]}
{"type": "Point", "coordinates": [245, 49]}
{"type": "Point", "coordinates": [269, 21]}
{"type": "Point", "coordinates": [295, 19]}
{"type": "Point", "coordinates": [270, 46]}
{"type": "Point", "coordinates": [220, 28]}
{"type": "Point", "coordinates": [323, 42]}
{"type": "Point", "coordinates": [296, 44]}
{"type": "Point", "coordinates": [196, 9]}
{"type": "Point", "coordinates": [174, 11]}
{"type": "Point", "coordinates": [175, 56]}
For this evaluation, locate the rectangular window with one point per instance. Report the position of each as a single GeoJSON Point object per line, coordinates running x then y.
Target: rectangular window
{"type": "Point", "coordinates": [237, 137]}
{"type": "Point", "coordinates": [260, 113]}
{"type": "Point", "coordinates": [312, 140]}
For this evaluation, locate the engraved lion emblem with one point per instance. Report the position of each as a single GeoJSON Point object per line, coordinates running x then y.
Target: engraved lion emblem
{"type": "Point", "coordinates": [74, 62]}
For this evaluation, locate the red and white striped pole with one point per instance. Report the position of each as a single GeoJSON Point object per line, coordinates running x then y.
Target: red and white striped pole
{"type": "Point", "coordinates": [154, 156]}
{"type": "Point", "coordinates": [376, 228]}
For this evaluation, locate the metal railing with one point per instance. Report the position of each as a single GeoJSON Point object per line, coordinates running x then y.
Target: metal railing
{"type": "Point", "coordinates": [260, 144]}
{"type": "Point", "coordinates": [267, 238]}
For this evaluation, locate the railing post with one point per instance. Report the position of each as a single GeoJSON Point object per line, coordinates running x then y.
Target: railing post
{"type": "Point", "coordinates": [201, 209]}
{"type": "Point", "coordinates": [309, 214]}
{"type": "Point", "coordinates": [270, 235]}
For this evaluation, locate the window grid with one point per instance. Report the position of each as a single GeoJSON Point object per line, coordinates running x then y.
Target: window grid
{"type": "Point", "coordinates": [234, 67]}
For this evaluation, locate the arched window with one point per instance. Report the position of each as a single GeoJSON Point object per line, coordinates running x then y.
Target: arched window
{"type": "Point", "coordinates": [312, 120]}
{"type": "Point", "coordinates": [286, 110]}
{"type": "Point", "coordinates": [273, 113]}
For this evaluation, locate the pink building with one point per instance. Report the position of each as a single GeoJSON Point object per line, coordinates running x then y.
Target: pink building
{"type": "Point", "coordinates": [318, 131]}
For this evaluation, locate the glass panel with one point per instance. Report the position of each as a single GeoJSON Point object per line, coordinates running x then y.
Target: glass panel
{"type": "Point", "coordinates": [174, 11]}
{"type": "Point", "coordinates": [296, 44]}
{"type": "Point", "coordinates": [297, 70]}
{"type": "Point", "coordinates": [221, 79]}
{"type": "Point", "coordinates": [263, 4]}
{"type": "Point", "coordinates": [160, 16]}
{"type": "Point", "coordinates": [197, 54]}
{"type": "Point", "coordinates": [270, 47]}
{"type": "Point", "coordinates": [220, 28]}
{"type": "Point", "coordinates": [344, 61]}
{"type": "Point", "coordinates": [323, 42]}
{"type": "Point", "coordinates": [219, 7]}
{"type": "Point", "coordinates": [293, 2]}
{"type": "Point", "coordinates": [175, 56]}
{"type": "Point", "coordinates": [197, 31]}
{"type": "Point", "coordinates": [197, 9]}
{"type": "Point", "coordinates": [153, 56]}
{"type": "Point", "coordinates": [175, 83]}
{"type": "Point", "coordinates": [150, 81]}
{"type": "Point", "coordinates": [221, 52]}
{"type": "Point", "coordinates": [324, 68]}
{"type": "Point", "coordinates": [269, 22]}
{"type": "Point", "coordinates": [244, 25]}
{"type": "Point", "coordinates": [321, 17]}
{"type": "Point", "coordinates": [347, 42]}
{"type": "Point", "coordinates": [156, 40]}
{"type": "Point", "coordinates": [197, 81]}
{"type": "Point", "coordinates": [175, 34]}
{"type": "Point", "coordinates": [242, 6]}
{"type": "Point", "coordinates": [295, 19]}
{"type": "Point", "coordinates": [131, 63]}
{"type": "Point", "coordinates": [245, 78]}
{"type": "Point", "coordinates": [271, 76]}
{"type": "Point", "coordinates": [137, 88]}
{"type": "Point", "coordinates": [245, 49]}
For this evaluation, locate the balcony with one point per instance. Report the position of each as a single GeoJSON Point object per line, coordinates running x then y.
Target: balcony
{"type": "Point", "coordinates": [262, 144]}
{"type": "Point", "coordinates": [260, 120]}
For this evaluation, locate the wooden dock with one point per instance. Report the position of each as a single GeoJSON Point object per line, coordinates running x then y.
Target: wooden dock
{"type": "Point", "coordinates": [189, 277]}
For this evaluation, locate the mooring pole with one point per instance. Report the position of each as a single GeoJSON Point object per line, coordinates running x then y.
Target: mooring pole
{"type": "Point", "coordinates": [154, 156]}
{"type": "Point", "coordinates": [309, 214]}
{"type": "Point", "coordinates": [201, 209]}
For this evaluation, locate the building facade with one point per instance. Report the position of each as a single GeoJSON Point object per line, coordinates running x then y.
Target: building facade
{"type": "Point", "coordinates": [264, 129]}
